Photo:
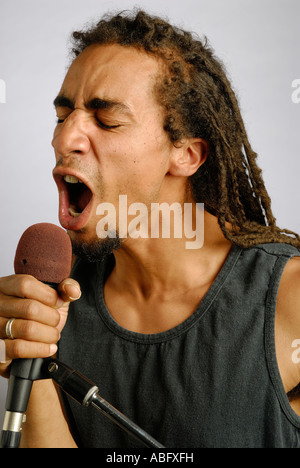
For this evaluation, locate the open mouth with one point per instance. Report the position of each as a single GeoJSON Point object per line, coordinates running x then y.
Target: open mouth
{"type": "Point", "coordinates": [79, 195]}
{"type": "Point", "coordinates": [75, 201]}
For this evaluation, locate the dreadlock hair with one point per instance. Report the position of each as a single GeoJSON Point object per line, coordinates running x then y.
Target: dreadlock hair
{"type": "Point", "coordinates": [199, 102]}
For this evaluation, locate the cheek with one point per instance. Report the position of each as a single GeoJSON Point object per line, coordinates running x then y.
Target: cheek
{"type": "Point", "coordinates": [133, 162]}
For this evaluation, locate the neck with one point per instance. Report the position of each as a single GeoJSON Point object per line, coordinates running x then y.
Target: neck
{"type": "Point", "coordinates": [146, 266]}
{"type": "Point", "coordinates": [158, 283]}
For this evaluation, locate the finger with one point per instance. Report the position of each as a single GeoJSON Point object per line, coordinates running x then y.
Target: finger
{"type": "Point", "coordinates": [27, 309]}
{"type": "Point", "coordinates": [21, 349]}
{"type": "Point", "coordinates": [4, 360]}
{"type": "Point", "coordinates": [34, 331]}
{"type": "Point", "coordinates": [2, 352]}
{"type": "Point", "coordinates": [26, 286]}
{"type": "Point", "coordinates": [69, 290]}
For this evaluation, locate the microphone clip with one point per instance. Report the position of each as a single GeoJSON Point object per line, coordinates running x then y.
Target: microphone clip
{"type": "Point", "coordinates": [25, 371]}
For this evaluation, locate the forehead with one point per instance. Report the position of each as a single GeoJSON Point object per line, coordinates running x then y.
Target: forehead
{"type": "Point", "coordinates": [114, 72]}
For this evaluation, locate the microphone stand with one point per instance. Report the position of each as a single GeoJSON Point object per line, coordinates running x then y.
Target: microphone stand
{"type": "Point", "coordinates": [79, 388]}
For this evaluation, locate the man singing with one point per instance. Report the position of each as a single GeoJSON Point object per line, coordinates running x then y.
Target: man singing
{"type": "Point", "coordinates": [194, 345]}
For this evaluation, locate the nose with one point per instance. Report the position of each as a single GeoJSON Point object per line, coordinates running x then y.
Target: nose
{"type": "Point", "coordinates": [71, 136]}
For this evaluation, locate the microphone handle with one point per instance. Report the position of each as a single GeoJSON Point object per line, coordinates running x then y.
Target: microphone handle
{"type": "Point", "coordinates": [22, 375]}
{"type": "Point", "coordinates": [11, 438]}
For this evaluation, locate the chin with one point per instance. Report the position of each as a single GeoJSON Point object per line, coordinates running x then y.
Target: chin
{"type": "Point", "coordinates": [94, 250]}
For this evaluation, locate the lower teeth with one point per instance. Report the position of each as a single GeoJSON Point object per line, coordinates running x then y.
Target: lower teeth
{"type": "Point", "coordinates": [73, 212]}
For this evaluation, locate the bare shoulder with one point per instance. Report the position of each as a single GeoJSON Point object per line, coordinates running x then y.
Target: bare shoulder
{"type": "Point", "coordinates": [289, 290]}
{"type": "Point", "coordinates": [287, 325]}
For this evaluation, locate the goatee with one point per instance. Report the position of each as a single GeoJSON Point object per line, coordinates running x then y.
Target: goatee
{"type": "Point", "coordinates": [97, 250]}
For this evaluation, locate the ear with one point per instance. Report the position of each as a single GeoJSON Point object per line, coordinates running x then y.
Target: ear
{"type": "Point", "coordinates": [187, 158]}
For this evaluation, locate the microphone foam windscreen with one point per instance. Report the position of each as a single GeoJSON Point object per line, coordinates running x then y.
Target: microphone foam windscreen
{"type": "Point", "coordinates": [45, 252]}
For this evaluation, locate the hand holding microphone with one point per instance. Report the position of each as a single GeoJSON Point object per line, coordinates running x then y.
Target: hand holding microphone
{"type": "Point", "coordinates": [34, 303]}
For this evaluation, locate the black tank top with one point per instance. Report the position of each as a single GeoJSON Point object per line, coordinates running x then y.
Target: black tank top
{"type": "Point", "coordinates": [211, 381]}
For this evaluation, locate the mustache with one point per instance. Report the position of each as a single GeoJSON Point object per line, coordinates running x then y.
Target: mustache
{"type": "Point", "coordinates": [68, 162]}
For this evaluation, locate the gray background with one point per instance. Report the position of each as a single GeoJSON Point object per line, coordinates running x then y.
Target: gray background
{"type": "Point", "coordinates": [258, 40]}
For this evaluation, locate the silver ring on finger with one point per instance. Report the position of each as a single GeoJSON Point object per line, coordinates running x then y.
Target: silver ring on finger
{"type": "Point", "coordinates": [8, 329]}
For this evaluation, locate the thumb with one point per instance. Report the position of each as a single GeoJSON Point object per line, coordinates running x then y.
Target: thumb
{"type": "Point", "coordinates": [69, 291]}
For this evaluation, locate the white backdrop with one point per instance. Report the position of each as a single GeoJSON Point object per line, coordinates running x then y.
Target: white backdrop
{"type": "Point", "coordinates": [258, 40]}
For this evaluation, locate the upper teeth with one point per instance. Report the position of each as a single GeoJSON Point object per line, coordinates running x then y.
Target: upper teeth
{"type": "Point", "coordinates": [72, 179]}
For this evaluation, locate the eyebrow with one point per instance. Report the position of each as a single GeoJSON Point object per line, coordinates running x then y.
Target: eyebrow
{"type": "Point", "coordinates": [93, 104]}
{"type": "Point", "coordinates": [62, 101]}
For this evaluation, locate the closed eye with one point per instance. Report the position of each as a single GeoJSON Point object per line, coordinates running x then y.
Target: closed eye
{"type": "Point", "coordinates": [104, 126]}
{"type": "Point", "coordinates": [99, 123]}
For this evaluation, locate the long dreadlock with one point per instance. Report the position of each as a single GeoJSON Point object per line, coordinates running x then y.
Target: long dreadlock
{"type": "Point", "coordinates": [199, 102]}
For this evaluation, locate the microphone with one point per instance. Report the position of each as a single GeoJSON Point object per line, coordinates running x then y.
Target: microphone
{"type": "Point", "coordinates": [45, 252]}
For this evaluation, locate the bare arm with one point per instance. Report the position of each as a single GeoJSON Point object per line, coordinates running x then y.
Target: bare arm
{"type": "Point", "coordinates": [287, 328]}
{"type": "Point", "coordinates": [45, 426]}
{"type": "Point", "coordinates": [40, 314]}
